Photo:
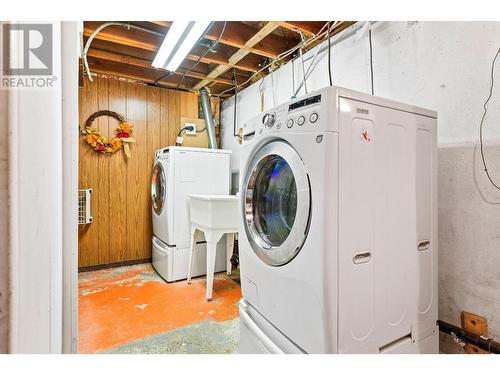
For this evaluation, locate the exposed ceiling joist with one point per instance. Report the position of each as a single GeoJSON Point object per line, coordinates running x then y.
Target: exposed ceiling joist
{"type": "Point", "coordinates": [304, 27]}
{"type": "Point", "coordinates": [132, 76]}
{"type": "Point", "coordinates": [245, 46]}
{"type": "Point", "coordinates": [238, 35]}
{"type": "Point", "coordinates": [162, 23]}
{"type": "Point", "coordinates": [240, 54]}
{"type": "Point", "coordinates": [129, 60]}
{"type": "Point", "coordinates": [213, 60]}
{"type": "Point", "coordinates": [121, 35]}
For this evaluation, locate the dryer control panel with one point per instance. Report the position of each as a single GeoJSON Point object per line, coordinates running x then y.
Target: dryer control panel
{"type": "Point", "coordinates": [162, 154]}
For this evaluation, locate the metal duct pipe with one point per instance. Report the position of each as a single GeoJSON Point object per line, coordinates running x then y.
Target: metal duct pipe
{"type": "Point", "coordinates": [207, 113]}
{"type": "Point", "coordinates": [481, 342]}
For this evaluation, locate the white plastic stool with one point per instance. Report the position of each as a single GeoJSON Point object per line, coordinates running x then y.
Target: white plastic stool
{"type": "Point", "coordinates": [214, 215]}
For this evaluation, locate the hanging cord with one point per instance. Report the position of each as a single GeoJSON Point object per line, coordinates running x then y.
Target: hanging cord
{"type": "Point", "coordinates": [235, 133]}
{"type": "Point", "coordinates": [481, 126]}
{"type": "Point", "coordinates": [261, 91]}
{"type": "Point", "coordinates": [281, 56]}
{"type": "Point", "coordinates": [304, 80]}
{"type": "Point", "coordinates": [272, 87]}
{"type": "Point", "coordinates": [96, 31]}
{"type": "Point", "coordinates": [329, 57]}
{"type": "Point", "coordinates": [371, 56]}
{"type": "Point", "coordinates": [309, 71]}
{"type": "Point", "coordinates": [214, 44]}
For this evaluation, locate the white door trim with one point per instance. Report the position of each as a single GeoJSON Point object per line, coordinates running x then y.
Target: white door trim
{"type": "Point", "coordinates": [43, 166]}
{"type": "Point", "coordinates": [70, 134]}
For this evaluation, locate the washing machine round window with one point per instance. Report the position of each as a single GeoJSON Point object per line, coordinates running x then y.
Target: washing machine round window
{"type": "Point", "coordinates": [158, 188]}
{"type": "Point", "coordinates": [277, 203]}
{"type": "Point", "coordinates": [275, 196]}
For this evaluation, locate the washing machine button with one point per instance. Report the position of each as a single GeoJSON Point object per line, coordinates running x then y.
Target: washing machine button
{"type": "Point", "coordinates": [314, 117]}
{"type": "Point", "coordinates": [289, 123]}
{"type": "Point", "coordinates": [301, 120]}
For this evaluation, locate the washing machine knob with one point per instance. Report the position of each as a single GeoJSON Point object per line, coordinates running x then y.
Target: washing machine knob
{"type": "Point", "coordinates": [268, 120]}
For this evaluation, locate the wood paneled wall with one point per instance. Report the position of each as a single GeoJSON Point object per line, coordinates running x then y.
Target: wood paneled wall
{"type": "Point", "coordinates": [121, 205]}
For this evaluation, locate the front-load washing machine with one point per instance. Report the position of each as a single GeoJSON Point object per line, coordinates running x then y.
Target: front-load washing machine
{"type": "Point", "coordinates": [338, 232]}
{"type": "Point", "coordinates": [177, 173]}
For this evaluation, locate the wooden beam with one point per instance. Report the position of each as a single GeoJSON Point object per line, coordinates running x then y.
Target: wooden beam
{"type": "Point", "coordinates": [165, 24]}
{"type": "Point", "coordinates": [307, 28]}
{"type": "Point", "coordinates": [123, 42]}
{"type": "Point", "coordinates": [241, 53]}
{"type": "Point", "coordinates": [129, 60]}
{"type": "Point", "coordinates": [131, 76]}
{"type": "Point", "coordinates": [239, 35]}
{"type": "Point", "coordinates": [121, 35]}
{"type": "Point", "coordinates": [134, 72]}
{"type": "Point", "coordinates": [213, 60]}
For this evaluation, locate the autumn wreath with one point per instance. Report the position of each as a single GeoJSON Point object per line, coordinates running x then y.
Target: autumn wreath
{"type": "Point", "coordinates": [99, 142]}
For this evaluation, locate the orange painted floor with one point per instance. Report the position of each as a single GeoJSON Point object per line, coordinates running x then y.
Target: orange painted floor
{"type": "Point", "coordinates": [119, 307]}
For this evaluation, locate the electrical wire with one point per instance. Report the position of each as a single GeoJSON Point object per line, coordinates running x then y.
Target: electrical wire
{"type": "Point", "coordinates": [371, 56]}
{"type": "Point", "coordinates": [481, 125]}
{"type": "Point", "coordinates": [309, 71]}
{"type": "Point", "coordinates": [204, 54]}
{"type": "Point", "coordinates": [281, 56]}
{"type": "Point", "coordinates": [262, 92]}
{"type": "Point", "coordinates": [189, 127]}
{"type": "Point", "coordinates": [235, 133]}
{"type": "Point", "coordinates": [304, 81]}
{"type": "Point", "coordinates": [329, 57]}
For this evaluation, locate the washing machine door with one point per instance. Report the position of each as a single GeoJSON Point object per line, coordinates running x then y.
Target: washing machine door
{"type": "Point", "coordinates": [158, 188]}
{"type": "Point", "coordinates": [277, 203]}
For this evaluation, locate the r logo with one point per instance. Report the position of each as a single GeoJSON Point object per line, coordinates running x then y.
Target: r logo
{"type": "Point", "coordinates": [28, 49]}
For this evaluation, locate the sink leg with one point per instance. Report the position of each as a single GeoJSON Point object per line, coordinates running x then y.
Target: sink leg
{"type": "Point", "coordinates": [211, 252]}
{"type": "Point", "coordinates": [191, 254]}
{"type": "Point", "coordinates": [229, 251]}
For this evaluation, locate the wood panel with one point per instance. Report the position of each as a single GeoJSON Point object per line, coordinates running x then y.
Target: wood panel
{"type": "Point", "coordinates": [121, 229]}
{"type": "Point", "coordinates": [118, 176]}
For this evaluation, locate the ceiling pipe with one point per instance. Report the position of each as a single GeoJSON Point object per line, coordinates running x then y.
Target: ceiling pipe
{"type": "Point", "coordinates": [207, 114]}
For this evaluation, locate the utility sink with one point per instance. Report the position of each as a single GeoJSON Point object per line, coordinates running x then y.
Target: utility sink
{"type": "Point", "coordinates": [215, 216]}
{"type": "Point", "coordinates": [215, 212]}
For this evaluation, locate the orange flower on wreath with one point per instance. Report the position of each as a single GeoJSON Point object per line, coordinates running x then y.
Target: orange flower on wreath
{"type": "Point", "coordinates": [116, 144]}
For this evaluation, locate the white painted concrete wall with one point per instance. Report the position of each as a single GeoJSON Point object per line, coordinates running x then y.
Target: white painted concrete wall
{"type": "Point", "coordinates": [443, 66]}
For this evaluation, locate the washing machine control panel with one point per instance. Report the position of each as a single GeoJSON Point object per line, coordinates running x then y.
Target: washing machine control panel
{"type": "Point", "coordinates": [299, 115]}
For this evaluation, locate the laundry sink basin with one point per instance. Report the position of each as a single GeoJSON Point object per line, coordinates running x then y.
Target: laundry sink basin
{"type": "Point", "coordinates": [214, 211]}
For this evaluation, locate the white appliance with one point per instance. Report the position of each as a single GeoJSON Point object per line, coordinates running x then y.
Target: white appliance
{"type": "Point", "coordinates": [177, 173]}
{"type": "Point", "coordinates": [338, 232]}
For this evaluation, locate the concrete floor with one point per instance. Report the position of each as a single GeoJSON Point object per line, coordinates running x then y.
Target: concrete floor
{"type": "Point", "coordinates": [132, 310]}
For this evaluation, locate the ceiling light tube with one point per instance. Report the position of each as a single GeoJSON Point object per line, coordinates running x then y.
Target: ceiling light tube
{"type": "Point", "coordinates": [180, 39]}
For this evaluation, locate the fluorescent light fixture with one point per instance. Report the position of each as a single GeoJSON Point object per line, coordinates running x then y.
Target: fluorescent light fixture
{"type": "Point", "coordinates": [180, 39]}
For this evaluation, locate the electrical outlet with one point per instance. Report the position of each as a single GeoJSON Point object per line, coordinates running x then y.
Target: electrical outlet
{"type": "Point", "coordinates": [190, 132]}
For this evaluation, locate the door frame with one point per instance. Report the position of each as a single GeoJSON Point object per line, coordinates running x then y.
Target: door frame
{"type": "Point", "coordinates": [42, 217]}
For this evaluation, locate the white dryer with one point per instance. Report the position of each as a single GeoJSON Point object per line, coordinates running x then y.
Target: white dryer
{"type": "Point", "coordinates": [338, 237]}
{"type": "Point", "coordinates": [177, 173]}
